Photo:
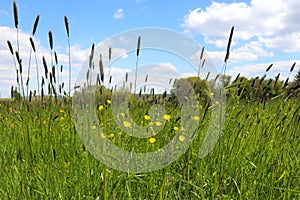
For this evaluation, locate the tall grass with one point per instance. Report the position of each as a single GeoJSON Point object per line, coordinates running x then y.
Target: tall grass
{"type": "Point", "coordinates": [257, 157]}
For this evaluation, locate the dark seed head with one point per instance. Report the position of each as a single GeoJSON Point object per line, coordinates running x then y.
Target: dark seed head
{"type": "Point", "coordinates": [138, 46]}
{"type": "Point", "coordinates": [50, 40]}
{"type": "Point", "coordinates": [228, 45]}
{"type": "Point", "coordinates": [36, 22]}
{"type": "Point", "coordinates": [32, 43]}
{"type": "Point", "coordinates": [16, 18]}
{"type": "Point", "coordinates": [67, 25]}
{"type": "Point", "coordinates": [10, 47]}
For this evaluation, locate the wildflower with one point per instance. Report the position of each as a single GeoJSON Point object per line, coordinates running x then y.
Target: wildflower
{"type": "Point", "coordinates": [100, 107]}
{"type": "Point", "coordinates": [108, 101]}
{"type": "Point", "coordinates": [152, 140]}
{"type": "Point", "coordinates": [181, 138]}
{"type": "Point", "coordinates": [126, 124]}
{"type": "Point", "coordinates": [217, 102]}
{"type": "Point", "coordinates": [147, 117]}
{"type": "Point", "coordinates": [0, 105]}
{"type": "Point", "coordinates": [176, 128]}
{"type": "Point", "coordinates": [182, 129]}
{"type": "Point", "coordinates": [122, 114]}
{"type": "Point", "coordinates": [102, 136]}
{"type": "Point", "coordinates": [61, 111]}
{"type": "Point", "coordinates": [196, 118]}
{"type": "Point", "coordinates": [10, 109]}
{"type": "Point", "coordinates": [94, 127]}
{"type": "Point", "coordinates": [111, 135]}
{"type": "Point", "coordinates": [256, 109]}
{"type": "Point", "coordinates": [45, 122]}
{"type": "Point", "coordinates": [151, 124]}
{"type": "Point", "coordinates": [62, 118]}
{"type": "Point", "coordinates": [167, 117]}
{"type": "Point", "coordinates": [158, 123]}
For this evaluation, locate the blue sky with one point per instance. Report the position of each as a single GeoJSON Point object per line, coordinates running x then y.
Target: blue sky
{"type": "Point", "coordinates": [265, 31]}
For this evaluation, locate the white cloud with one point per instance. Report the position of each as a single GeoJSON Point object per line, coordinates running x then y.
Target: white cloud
{"type": "Point", "coordinates": [253, 70]}
{"type": "Point", "coordinates": [287, 43]}
{"type": "Point", "coordinates": [272, 22]}
{"type": "Point", "coordinates": [119, 14]}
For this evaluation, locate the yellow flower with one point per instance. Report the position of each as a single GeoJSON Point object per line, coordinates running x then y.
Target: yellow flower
{"type": "Point", "coordinates": [0, 105]}
{"type": "Point", "coordinates": [10, 110]}
{"type": "Point", "coordinates": [108, 101]}
{"type": "Point", "coordinates": [45, 122]}
{"type": "Point", "coordinates": [147, 117]}
{"type": "Point", "coordinates": [101, 107]}
{"type": "Point", "coordinates": [61, 111]}
{"type": "Point", "coordinates": [126, 124]}
{"type": "Point", "coordinates": [196, 118]}
{"type": "Point", "coordinates": [167, 117]}
{"type": "Point", "coordinates": [102, 136]}
{"type": "Point", "coordinates": [36, 117]}
{"type": "Point", "coordinates": [151, 124]}
{"type": "Point", "coordinates": [256, 109]}
{"type": "Point", "coordinates": [181, 138]}
{"type": "Point", "coordinates": [122, 114]}
{"type": "Point", "coordinates": [62, 118]}
{"type": "Point", "coordinates": [111, 135]}
{"type": "Point", "coordinates": [176, 128]}
{"type": "Point", "coordinates": [94, 127]}
{"type": "Point", "coordinates": [182, 129]}
{"type": "Point", "coordinates": [152, 140]}
{"type": "Point", "coordinates": [158, 123]}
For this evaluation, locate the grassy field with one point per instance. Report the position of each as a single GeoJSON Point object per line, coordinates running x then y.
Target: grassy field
{"type": "Point", "coordinates": [42, 155]}
{"type": "Point", "coordinates": [257, 157]}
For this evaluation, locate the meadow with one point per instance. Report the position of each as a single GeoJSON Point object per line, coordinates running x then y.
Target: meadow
{"type": "Point", "coordinates": [256, 156]}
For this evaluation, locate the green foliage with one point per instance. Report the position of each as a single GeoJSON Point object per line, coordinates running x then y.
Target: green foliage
{"type": "Point", "coordinates": [43, 157]}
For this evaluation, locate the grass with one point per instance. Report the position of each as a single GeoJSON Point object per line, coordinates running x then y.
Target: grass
{"type": "Point", "coordinates": [43, 157]}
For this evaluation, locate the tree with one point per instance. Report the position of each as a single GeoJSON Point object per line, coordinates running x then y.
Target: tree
{"type": "Point", "coordinates": [297, 78]}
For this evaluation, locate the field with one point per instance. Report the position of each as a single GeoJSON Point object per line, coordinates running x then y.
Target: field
{"type": "Point", "coordinates": [43, 156]}
{"type": "Point", "coordinates": [257, 157]}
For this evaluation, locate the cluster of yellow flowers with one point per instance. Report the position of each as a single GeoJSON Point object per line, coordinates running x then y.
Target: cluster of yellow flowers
{"type": "Point", "coordinates": [101, 107]}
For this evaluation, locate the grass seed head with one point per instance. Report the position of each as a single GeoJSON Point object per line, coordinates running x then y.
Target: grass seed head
{"type": "Point", "coordinates": [10, 47]}
{"type": "Point", "coordinates": [50, 39]}
{"type": "Point", "coordinates": [45, 67]}
{"type": "Point", "coordinates": [36, 22]}
{"type": "Point", "coordinates": [138, 46]}
{"type": "Point", "coordinates": [67, 26]}
{"type": "Point", "coordinates": [269, 67]}
{"type": "Point", "coordinates": [228, 45]}
{"type": "Point", "coordinates": [32, 43]}
{"type": "Point", "coordinates": [293, 66]}
{"type": "Point", "coordinates": [16, 18]}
